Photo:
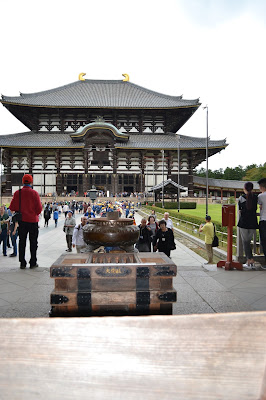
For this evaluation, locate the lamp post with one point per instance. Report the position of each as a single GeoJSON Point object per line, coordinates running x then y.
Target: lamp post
{"type": "Point", "coordinates": [153, 180]}
{"type": "Point", "coordinates": [178, 173]}
{"type": "Point", "coordinates": [163, 180]}
{"type": "Point", "coordinates": [207, 152]}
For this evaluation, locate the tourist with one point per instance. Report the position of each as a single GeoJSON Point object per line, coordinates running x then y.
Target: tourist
{"type": "Point", "coordinates": [208, 230]}
{"type": "Point", "coordinates": [145, 237]}
{"type": "Point", "coordinates": [154, 215]}
{"type": "Point", "coordinates": [55, 216]}
{"type": "Point", "coordinates": [247, 205]}
{"type": "Point", "coordinates": [89, 213]}
{"type": "Point", "coordinates": [169, 222]}
{"type": "Point", "coordinates": [262, 224]}
{"type": "Point", "coordinates": [31, 207]}
{"type": "Point", "coordinates": [68, 228]}
{"type": "Point", "coordinates": [60, 209]}
{"type": "Point", "coordinates": [13, 236]}
{"type": "Point", "coordinates": [65, 209]}
{"type": "Point", "coordinates": [77, 239]}
{"type": "Point", "coordinates": [47, 215]}
{"type": "Point", "coordinates": [4, 218]}
{"type": "Point", "coordinates": [152, 224]}
{"type": "Point", "coordinates": [164, 240]}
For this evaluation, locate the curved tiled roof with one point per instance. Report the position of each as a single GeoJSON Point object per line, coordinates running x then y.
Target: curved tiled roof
{"type": "Point", "coordinates": [100, 93]}
{"type": "Point", "coordinates": [98, 125]}
{"type": "Point", "coordinates": [170, 141]}
{"type": "Point", "coordinates": [166, 183]}
{"type": "Point", "coordinates": [221, 183]}
{"type": "Point", "coordinates": [150, 141]}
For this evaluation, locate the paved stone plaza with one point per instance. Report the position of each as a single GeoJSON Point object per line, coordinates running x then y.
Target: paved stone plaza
{"type": "Point", "coordinates": [26, 293]}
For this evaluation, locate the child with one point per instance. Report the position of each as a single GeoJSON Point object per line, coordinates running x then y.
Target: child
{"type": "Point", "coordinates": [56, 214]}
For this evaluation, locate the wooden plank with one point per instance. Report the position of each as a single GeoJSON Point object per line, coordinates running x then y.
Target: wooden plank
{"type": "Point", "coordinates": [221, 356]}
{"type": "Point", "coordinates": [107, 310]}
{"type": "Point", "coordinates": [111, 270]}
{"type": "Point", "coordinates": [112, 298]}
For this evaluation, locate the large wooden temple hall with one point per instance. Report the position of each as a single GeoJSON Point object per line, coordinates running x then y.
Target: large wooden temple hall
{"type": "Point", "coordinates": [113, 134]}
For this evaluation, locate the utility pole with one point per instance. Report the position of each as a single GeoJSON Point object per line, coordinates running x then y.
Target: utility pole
{"type": "Point", "coordinates": [163, 181]}
{"type": "Point", "coordinates": [207, 153]}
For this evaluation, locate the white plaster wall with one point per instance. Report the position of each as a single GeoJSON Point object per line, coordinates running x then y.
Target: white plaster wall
{"type": "Point", "coordinates": [37, 179]}
{"type": "Point", "coordinates": [50, 179]}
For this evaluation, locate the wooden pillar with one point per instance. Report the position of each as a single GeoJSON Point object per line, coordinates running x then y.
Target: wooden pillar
{"type": "Point", "coordinates": [169, 164]}
{"type": "Point", "coordinates": [134, 184]}
{"type": "Point", "coordinates": [221, 194]}
{"type": "Point", "coordinates": [114, 175]}
{"type": "Point", "coordinates": [29, 153]}
{"type": "Point", "coordinates": [190, 176]}
{"type": "Point", "coordinates": [85, 178]}
{"type": "Point", "coordinates": [6, 159]}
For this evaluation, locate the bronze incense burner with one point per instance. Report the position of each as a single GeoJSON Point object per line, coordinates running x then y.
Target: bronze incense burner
{"type": "Point", "coordinates": [111, 231]}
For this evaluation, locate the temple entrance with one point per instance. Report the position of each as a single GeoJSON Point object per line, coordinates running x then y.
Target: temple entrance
{"type": "Point", "coordinates": [72, 189]}
{"type": "Point", "coordinates": [72, 182]}
{"type": "Point", "coordinates": [128, 189]}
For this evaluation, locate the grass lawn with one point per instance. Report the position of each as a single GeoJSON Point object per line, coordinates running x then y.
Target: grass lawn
{"type": "Point", "coordinates": [214, 210]}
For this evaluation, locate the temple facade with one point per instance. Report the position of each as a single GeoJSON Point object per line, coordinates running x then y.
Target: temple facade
{"type": "Point", "coordinates": [115, 135]}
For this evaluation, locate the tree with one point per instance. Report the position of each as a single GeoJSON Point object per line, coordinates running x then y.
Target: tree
{"type": "Point", "coordinates": [256, 173]}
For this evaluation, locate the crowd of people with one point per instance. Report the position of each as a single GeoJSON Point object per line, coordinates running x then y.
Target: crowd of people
{"type": "Point", "coordinates": [24, 216]}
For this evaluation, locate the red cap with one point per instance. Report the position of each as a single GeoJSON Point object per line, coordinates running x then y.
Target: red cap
{"type": "Point", "coordinates": [28, 179]}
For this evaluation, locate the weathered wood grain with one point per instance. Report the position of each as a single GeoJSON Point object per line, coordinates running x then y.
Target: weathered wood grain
{"type": "Point", "coordinates": [112, 298]}
{"type": "Point", "coordinates": [177, 357]}
{"type": "Point", "coordinates": [112, 284]}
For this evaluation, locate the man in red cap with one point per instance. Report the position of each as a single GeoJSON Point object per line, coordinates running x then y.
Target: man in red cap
{"type": "Point", "coordinates": [30, 209]}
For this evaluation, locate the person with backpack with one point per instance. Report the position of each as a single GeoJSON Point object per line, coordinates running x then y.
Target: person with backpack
{"type": "Point", "coordinates": [56, 215]}
{"type": "Point", "coordinates": [28, 203]}
{"type": "Point", "coordinates": [77, 238]}
{"type": "Point", "coordinates": [46, 215]}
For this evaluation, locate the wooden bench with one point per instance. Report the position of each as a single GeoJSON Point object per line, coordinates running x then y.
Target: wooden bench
{"type": "Point", "coordinates": [219, 356]}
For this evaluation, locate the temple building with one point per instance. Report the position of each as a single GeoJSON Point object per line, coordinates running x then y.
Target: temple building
{"type": "Point", "coordinates": [113, 134]}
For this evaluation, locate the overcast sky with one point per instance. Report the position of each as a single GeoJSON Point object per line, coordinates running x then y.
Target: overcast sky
{"type": "Point", "coordinates": [211, 49]}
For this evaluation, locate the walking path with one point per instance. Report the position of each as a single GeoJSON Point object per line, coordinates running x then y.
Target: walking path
{"type": "Point", "coordinates": [26, 293]}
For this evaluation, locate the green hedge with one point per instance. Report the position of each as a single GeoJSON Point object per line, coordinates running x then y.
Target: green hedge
{"type": "Point", "coordinates": [174, 205]}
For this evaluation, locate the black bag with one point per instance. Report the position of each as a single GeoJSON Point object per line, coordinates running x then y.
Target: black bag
{"type": "Point", "coordinates": [17, 217]}
{"type": "Point", "coordinates": [215, 242]}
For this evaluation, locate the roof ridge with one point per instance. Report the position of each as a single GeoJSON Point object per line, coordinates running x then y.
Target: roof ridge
{"type": "Point", "coordinates": [106, 81]}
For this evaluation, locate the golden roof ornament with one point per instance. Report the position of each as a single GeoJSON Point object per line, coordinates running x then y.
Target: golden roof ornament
{"type": "Point", "coordinates": [81, 76]}
{"type": "Point", "coordinates": [126, 78]}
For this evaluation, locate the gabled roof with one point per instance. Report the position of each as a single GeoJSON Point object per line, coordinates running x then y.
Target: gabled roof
{"type": "Point", "coordinates": [167, 184]}
{"type": "Point", "coordinates": [221, 183]}
{"type": "Point", "coordinates": [100, 94]}
{"type": "Point", "coordinates": [149, 141]}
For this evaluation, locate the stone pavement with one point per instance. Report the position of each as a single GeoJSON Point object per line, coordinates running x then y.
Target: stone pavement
{"type": "Point", "coordinates": [26, 293]}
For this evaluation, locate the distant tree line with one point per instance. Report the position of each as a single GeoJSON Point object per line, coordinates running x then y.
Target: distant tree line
{"type": "Point", "coordinates": [251, 172]}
